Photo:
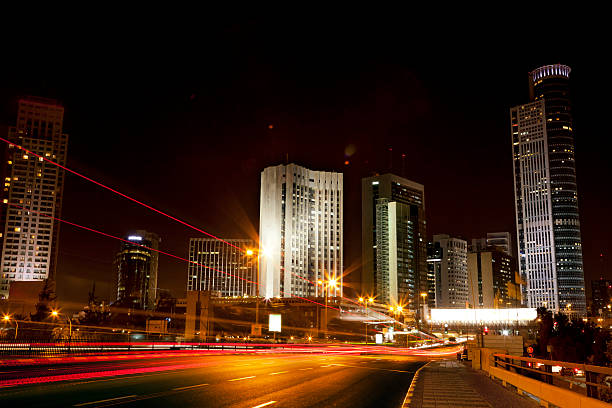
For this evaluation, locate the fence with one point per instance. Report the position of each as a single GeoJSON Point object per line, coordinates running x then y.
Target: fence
{"type": "Point", "coordinates": [590, 380]}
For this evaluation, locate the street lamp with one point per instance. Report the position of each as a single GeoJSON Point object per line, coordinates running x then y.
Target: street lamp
{"type": "Point", "coordinates": [424, 296]}
{"type": "Point", "coordinates": [365, 302]}
{"type": "Point", "coordinates": [7, 319]}
{"type": "Point", "coordinates": [55, 313]}
{"type": "Point", "coordinates": [251, 252]}
{"type": "Point", "coordinates": [327, 285]}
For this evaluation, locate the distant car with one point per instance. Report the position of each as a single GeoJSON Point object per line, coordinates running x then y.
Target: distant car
{"type": "Point", "coordinates": [568, 372]}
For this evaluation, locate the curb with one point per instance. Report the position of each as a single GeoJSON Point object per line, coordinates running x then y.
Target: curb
{"type": "Point", "coordinates": [410, 392]}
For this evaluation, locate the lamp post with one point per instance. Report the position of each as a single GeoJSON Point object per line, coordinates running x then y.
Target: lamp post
{"type": "Point", "coordinates": [250, 252]}
{"type": "Point", "coordinates": [326, 286]}
{"type": "Point", "coordinates": [7, 319]}
{"type": "Point", "coordinates": [366, 301]}
{"type": "Point", "coordinates": [424, 296]}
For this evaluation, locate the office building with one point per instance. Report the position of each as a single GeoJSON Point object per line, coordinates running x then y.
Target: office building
{"type": "Point", "coordinates": [29, 239]}
{"type": "Point", "coordinates": [452, 292]}
{"type": "Point", "coordinates": [222, 269]}
{"type": "Point", "coordinates": [601, 297]}
{"type": "Point", "coordinates": [490, 272]}
{"type": "Point", "coordinates": [434, 271]}
{"type": "Point", "coordinates": [137, 264]}
{"type": "Point", "coordinates": [394, 246]}
{"type": "Point", "coordinates": [500, 240]}
{"type": "Point", "coordinates": [300, 231]}
{"type": "Point", "coordinates": [546, 198]}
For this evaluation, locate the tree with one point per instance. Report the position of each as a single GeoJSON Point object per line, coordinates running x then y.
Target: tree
{"type": "Point", "coordinates": [46, 296]}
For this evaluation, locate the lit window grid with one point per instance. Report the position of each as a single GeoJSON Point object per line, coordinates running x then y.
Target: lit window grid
{"type": "Point", "coordinates": [301, 231]}
{"type": "Point", "coordinates": [210, 258]}
{"type": "Point", "coordinates": [533, 198]}
{"type": "Point", "coordinates": [29, 240]}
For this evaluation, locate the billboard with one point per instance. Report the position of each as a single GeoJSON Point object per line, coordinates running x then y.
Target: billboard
{"type": "Point", "coordinates": [479, 316]}
{"type": "Point", "coordinates": [274, 324]}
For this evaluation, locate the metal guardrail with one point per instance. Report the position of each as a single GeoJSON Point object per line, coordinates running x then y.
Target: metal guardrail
{"type": "Point", "coordinates": [593, 381]}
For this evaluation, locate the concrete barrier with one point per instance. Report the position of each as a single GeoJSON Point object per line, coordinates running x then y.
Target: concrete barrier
{"type": "Point", "coordinates": [548, 394]}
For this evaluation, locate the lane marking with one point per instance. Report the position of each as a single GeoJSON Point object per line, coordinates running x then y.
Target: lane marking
{"type": "Point", "coordinates": [279, 372]}
{"type": "Point", "coordinates": [303, 369]}
{"type": "Point", "coordinates": [328, 365]}
{"type": "Point", "coordinates": [188, 386]}
{"type": "Point", "coordinates": [105, 400]}
{"type": "Point", "coordinates": [265, 404]}
{"type": "Point", "coordinates": [242, 378]}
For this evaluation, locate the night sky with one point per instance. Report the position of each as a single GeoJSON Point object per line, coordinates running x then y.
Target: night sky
{"type": "Point", "coordinates": [187, 122]}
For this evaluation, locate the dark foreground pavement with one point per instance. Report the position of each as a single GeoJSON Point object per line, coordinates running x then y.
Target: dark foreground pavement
{"type": "Point", "coordinates": [296, 380]}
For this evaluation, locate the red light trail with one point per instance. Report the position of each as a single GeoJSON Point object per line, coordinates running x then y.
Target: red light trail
{"type": "Point", "coordinates": [119, 193]}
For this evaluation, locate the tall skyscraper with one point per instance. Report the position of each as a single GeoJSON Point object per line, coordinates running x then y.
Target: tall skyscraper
{"type": "Point", "coordinates": [29, 240]}
{"type": "Point", "coordinates": [240, 269]}
{"type": "Point", "coordinates": [546, 198]}
{"type": "Point", "coordinates": [300, 231]}
{"type": "Point", "coordinates": [136, 265]}
{"type": "Point", "coordinates": [453, 288]}
{"type": "Point", "coordinates": [394, 246]}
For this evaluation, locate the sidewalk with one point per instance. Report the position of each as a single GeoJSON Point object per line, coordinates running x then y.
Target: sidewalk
{"type": "Point", "coordinates": [451, 384]}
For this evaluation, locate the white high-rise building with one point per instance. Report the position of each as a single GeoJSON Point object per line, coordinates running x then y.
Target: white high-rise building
{"type": "Point", "coordinates": [534, 216]}
{"type": "Point", "coordinates": [452, 284]}
{"type": "Point", "coordinates": [300, 231]}
{"type": "Point", "coordinates": [32, 193]}
{"type": "Point", "coordinates": [546, 196]}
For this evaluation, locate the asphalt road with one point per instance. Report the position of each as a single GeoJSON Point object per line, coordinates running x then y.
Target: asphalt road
{"type": "Point", "coordinates": [287, 380]}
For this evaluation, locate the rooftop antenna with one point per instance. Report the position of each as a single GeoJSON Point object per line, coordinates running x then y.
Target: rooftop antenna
{"type": "Point", "coordinates": [390, 158]}
{"type": "Point", "coordinates": [403, 164]}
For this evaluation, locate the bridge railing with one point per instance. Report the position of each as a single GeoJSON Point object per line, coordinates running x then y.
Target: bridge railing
{"type": "Point", "coordinates": [590, 380]}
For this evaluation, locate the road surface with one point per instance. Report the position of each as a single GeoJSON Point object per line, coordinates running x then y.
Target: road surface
{"type": "Point", "coordinates": [272, 380]}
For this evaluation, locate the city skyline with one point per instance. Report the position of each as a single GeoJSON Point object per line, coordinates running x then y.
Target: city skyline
{"type": "Point", "coordinates": [417, 99]}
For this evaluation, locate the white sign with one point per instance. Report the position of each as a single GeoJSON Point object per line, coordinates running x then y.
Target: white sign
{"type": "Point", "coordinates": [379, 338]}
{"type": "Point", "coordinates": [275, 323]}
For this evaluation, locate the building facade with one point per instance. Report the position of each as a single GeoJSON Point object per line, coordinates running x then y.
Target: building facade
{"type": "Point", "coordinates": [434, 271]}
{"type": "Point", "coordinates": [136, 265]}
{"type": "Point", "coordinates": [502, 240]}
{"type": "Point", "coordinates": [546, 198]}
{"type": "Point", "coordinates": [453, 289]}
{"type": "Point", "coordinates": [491, 272]}
{"type": "Point", "coordinates": [300, 232]}
{"type": "Point", "coordinates": [32, 193]}
{"type": "Point", "coordinates": [393, 216]}
{"type": "Point", "coordinates": [601, 295]}
{"type": "Point", "coordinates": [220, 268]}
{"type": "Point", "coordinates": [396, 239]}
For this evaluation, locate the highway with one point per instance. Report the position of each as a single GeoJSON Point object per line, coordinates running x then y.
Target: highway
{"type": "Point", "coordinates": [205, 380]}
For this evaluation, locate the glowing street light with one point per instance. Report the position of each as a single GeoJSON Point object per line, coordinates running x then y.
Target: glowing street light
{"type": "Point", "coordinates": [7, 319]}
{"type": "Point", "coordinates": [55, 313]}
{"type": "Point", "coordinates": [249, 252]}
{"type": "Point", "coordinates": [365, 302]}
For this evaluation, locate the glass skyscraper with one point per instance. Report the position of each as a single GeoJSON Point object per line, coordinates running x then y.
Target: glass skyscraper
{"type": "Point", "coordinates": [548, 225]}
{"type": "Point", "coordinates": [136, 265]}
